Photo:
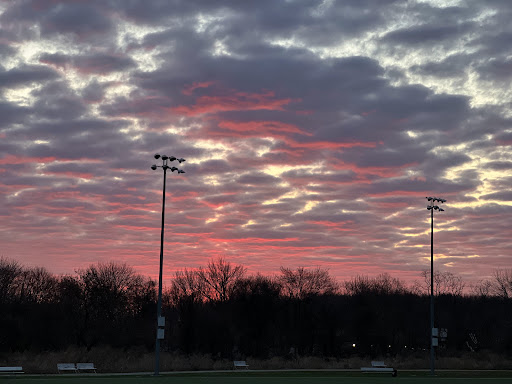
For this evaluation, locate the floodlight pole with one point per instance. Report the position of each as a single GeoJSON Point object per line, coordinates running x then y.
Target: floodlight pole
{"type": "Point", "coordinates": [432, 352]}
{"type": "Point", "coordinates": [432, 207]}
{"type": "Point", "coordinates": [159, 330]}
{"type": "Point", "coordinates": [159, 303]}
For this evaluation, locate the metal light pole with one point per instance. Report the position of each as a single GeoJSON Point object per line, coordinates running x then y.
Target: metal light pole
{"type": "Point", "coordinates": [160, 321]}
{"type": "Point", "coordinates": [433, 332]}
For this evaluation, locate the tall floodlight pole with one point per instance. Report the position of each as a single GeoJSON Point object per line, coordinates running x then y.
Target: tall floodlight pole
{"type": "Point", "coordinates": [160, 321]}
{"type": "Point", "coordinates": [433, 332]}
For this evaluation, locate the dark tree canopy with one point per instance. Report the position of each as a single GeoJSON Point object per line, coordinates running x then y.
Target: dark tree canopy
{"type": "Point", "coordinates": [220, 310]}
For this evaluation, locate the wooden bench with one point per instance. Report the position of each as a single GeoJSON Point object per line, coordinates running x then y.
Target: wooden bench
{"type": "Point", "coordinates": [67, 367]}
{"type": "Point", "coordinates": [240, 364]}
{"type": "Point", "coordinates": [85, 367]}
{"type": "Point", "coordinates": [11, 370]}
{"type": "Point", "coordinates": [379, 367]}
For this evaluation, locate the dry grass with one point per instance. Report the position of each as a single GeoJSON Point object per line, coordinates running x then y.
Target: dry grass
{"type": "Point", "coordinates": [108, 359]}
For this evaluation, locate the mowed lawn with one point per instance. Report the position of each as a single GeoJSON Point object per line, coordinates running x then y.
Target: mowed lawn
{"type": "Point", "coordinates": [270, 377]}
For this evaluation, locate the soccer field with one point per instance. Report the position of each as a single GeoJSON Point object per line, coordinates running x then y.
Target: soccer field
{"type": "Point", "coordinates": [252, 377]}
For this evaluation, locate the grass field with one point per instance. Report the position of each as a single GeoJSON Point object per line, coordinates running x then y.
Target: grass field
{"type": "Point", "coordinates": [272, 377]}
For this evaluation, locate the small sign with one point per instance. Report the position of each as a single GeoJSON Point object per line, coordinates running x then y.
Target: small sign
{"type": "Point", "coordinates": [160, 334]}
{"type": "Point", "coordinates": [435, 342]}
{"type": "Point", "coordinates": [161, 321]}
{"type": "Point", "coordinates": [435, 332]}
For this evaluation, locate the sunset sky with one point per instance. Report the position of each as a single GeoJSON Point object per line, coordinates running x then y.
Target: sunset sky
{"type": "Point", "coordinates": [313, 130]}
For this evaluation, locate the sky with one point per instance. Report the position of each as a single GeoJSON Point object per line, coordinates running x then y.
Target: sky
{"type": "Point", "coordinates": [313, 131]}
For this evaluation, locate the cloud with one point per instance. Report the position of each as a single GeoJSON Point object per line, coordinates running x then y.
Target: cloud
{"type": "Point", "coordinates": [26, 75]}
{"type": "Point", "coordinates": [427, 34]}
{"type": "Point", "coordinates": [89, 64]}
{"type": "Point", "coordinates": [78, 19]}
{"type": "Point", "coordinates": [312, 131]}
{"type": "Point", "coordinates": [502, 196]}
{"type": "Point", "coordinates": [496, 70]}
{"type": "Point", "coordinates": [451, 67]}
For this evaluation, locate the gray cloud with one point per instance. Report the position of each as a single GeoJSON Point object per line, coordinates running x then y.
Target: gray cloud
{"type": "Point", "coordinates": [427, 34]}
{"type": "Point", "coordinates": [25, 75]}
{"type": "Point", "coordinates": [78, 19]}
{"type": "Point", "coordinates": [92, 63]}
{"type": "Point", "coordinates": [503, 196]}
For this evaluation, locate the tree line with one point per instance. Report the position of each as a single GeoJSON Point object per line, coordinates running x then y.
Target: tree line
{"type": "Point", "coordinates": [220, 309]}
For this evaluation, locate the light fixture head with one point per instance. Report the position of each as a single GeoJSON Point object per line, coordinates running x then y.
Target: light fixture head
{"type": "Point", "coordinates": [172, 158]}
{"type": "Point", "coordinates": [181, 171]}
{"type": "Point", "coordinates": [174, 169]}
{"type": "Point", "coordinates": [429, 198]}
{"type": "Point", "coordinates": [441, 210]}
{"type": "Point", "coordinates": [181, 160]}
{"type": "Point", "coordinates": [157, 155]}
{"type": "Point", "coordinates": [153, 167]}
{"type": "Point", "coordinates": [429, 207]}
{"type": "Point", "coordinates": [165, 157]}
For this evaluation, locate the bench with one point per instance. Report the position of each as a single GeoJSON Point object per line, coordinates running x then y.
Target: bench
{"type": "Point", "coordinates": [379, 367]}
{"type": "Point", "coordinates": [11, 370]}
{"type": "Point", "coordinates": [67, 367]}
{"type": "Point", "coordinates": [240, 364]}
{"type": "Point", "coordinates": [81, 367]}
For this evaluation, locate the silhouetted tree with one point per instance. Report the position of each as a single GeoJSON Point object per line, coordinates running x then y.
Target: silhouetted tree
{"type": "Point", "coordinates": [501, 285]}
{"type": "Point", "coordinates": [9, 272]}
{"type": "Point", "coordinates": [383, 284]}
{"type": "Point", "coordinates": [445, 283]}
{"type": "Point", "coordinates": [218, 279]}
{"type": "Point", "coordinates": [36, 285]}
{"type": "Point", "coordinates": [482, 288]}
{"type": "Point", "coordinates": [188, 285]}
{"type": "Point", "coordinates": [302, 282]}
{"type": "Point", "coordinates": [255, 313]}
{"type": "Point", "coordinates": [219, 310]}
{"type": "Point", "coordinates": [112, 293]}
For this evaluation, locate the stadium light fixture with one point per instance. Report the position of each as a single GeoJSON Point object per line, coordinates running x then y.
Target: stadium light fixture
{"type": "Point", "coordinates": [160, 323]}
{"type": "Point", "coordinates": [433, 332]}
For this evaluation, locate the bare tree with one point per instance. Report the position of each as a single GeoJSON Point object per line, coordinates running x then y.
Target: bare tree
{"type": "Point", "coordinates": [187, 284]}
{"type": "Point", "coordinates": [301, 283]}
{"type": "Point", "coordinates": [383, 284]}
{"type": "Point", "coordinates": [445, 283]}
{"type": "Point", "coordinates": [36, 285]}
{"type": "Point", "coordinates": [9, 272]}
{"type": "Point", "coordinates": [482, 288]}
{"type": "Point", "coordinates": [501, 286]}
{"type": "Point", "coordinates": [218, 279]}
{"type": "Point", "coordinates": [111, 288]}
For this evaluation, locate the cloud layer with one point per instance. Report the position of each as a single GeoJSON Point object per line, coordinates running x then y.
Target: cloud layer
{"type": "Point", "coordinates": [313, 130]}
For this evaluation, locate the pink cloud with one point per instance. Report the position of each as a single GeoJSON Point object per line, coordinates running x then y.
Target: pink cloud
{"type": "Point", "coordinates": [261, 128]}
{"type": "Point", "coordinates": [80, 175]}
{"type": "Point", "coordinates": [189, 89]}
{"type": "Point", "coordinates": [253, 240]}
{"type": "Point", "coordinates": [330, 225]}
{"type": "Point", "coordinates": [235, 101]}
{"type": "Point", "coordinates": [13, 159]}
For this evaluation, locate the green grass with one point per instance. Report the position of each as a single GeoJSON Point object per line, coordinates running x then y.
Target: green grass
{"type": "Point", "coordinates": [272, 377]}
